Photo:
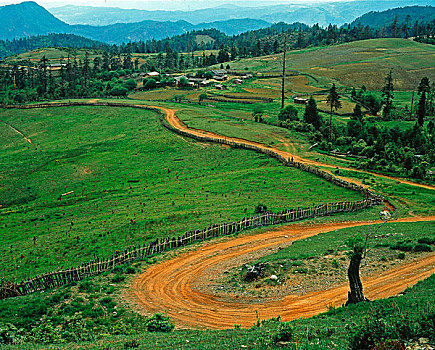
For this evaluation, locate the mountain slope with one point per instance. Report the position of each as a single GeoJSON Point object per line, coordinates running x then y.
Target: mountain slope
{"type": "Point", "coordinates": [17, 46]}
{"type": "Point", "coordinates": [28, 18]}
{"type": "Point", "coordinates": [422, 14]}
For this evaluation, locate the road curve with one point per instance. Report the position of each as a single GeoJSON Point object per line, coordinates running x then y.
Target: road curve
{"type": "Point", "coordinates": [171, 285]}
{"type": "Point", "coordinates": [173, 119]}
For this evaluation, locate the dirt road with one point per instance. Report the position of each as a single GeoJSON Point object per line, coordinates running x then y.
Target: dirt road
{"type": "Point", "coordinates": [172, 118]}
{"type": "Point", "coordinates": [173, 284]}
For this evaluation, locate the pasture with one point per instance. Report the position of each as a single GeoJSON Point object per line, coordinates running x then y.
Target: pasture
{"type": "Point", "coordinates": [95, 180]}
{"type": "Point", "coordinates": [358, 63]}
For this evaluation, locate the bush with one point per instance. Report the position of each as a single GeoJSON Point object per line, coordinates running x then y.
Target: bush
{"type": "Point", "coordinates": [118, 91]}
{"type": "Point", "coordinates": [74, 329]}
{"type": "Point", "coordinates": [86, 286]}
{"type": "Point", "coordinates": [260, 209]}
{"type": "Point", "coordinates": [401, 246]}
{"type": "Point", "coordinates": [133, 344]}
{"type": "Point", "coordinates": [130, 84]}
{"type": "Point", "coordinates": [118, 278]}
{"type": "Point", "coordinates": [9, 334]}
{"type": "Point", "coordinates": [284, 333]}
{"type": "Point", "coordinates": [427, 326]}
{"type": "Point", "coordinates": [426, 240]}
{"type": "Point", "coordinates": [46, 332]}
{"type": "Point", "coordinates": [401, 255]}
{"type": "Point", "coordinates": [288, 113]}
{"type": "Point", "coordinates": [159, 322]}
{"type": "Point", "coordinates": [149, 84]}
{"type": "Point", "coordinates": [422, 248]}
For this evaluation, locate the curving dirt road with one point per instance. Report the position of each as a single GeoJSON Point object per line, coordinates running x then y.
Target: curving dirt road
{"type": "Point", "coordinates": [173, 119]}
{"type": "Point", "coordinates": [173, 285]}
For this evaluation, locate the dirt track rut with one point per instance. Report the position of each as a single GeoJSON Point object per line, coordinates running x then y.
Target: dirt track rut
{"type": "Point", "coordinates": [172, 284]}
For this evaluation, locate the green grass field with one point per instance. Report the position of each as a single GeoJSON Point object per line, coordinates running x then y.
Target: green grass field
{"type": "Point", "coordinates": [330, 330]}
{"type": "Point", "coordinates": [133, 181]}
{"type": "Point", "coordinates": [358, 63]}
{"type": "Point", "coordinates": [126, 180]}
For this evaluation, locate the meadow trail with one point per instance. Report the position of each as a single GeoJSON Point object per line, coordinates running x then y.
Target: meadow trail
{"type": "Point", "coordinates": [173, 119]}
{"type": "Point", "coordinates": [176, 285]}
{"type": "Point", "coordinates": [17, 131]}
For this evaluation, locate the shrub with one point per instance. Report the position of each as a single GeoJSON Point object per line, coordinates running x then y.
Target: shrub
{"type": "Point", "coordinates": [260, 208]}
{"type": "Point", "coordinates": [74, 329]}
{"type": "Point", "coordinates": [401, 255]}
{"type": "Point", "coordinates": [288, 113]}
{"type": "Point", "coordinates": [120, 328]}
{"type": "Point", "coordinates": [284, 333]}
{"type": "Point", "coordinates": [132, 344]}
{"type": "Point", "coordinates": [426, 240]}
{"type": "Point", "coordinates": [130, 84]}
{"type": "Point", "coordinates": [159, 322]}
{"type": "Point", "coordinates": [427, 326]}
{"type": "Point", "coordinates": [422, 248]}
{"type": "Point", "coordinates": [118, 91]}
{"type": "Point", "coordinates": [46, 332]}
{"type": "Point", "coordinates": [108, 302]}
{"type": "Point", "coordinates": [86, 286]}
{"type": "Point", "coordinates": [9, 334]}
{"type": "Point", "coordinates": [130, 270]}
{"type": "Point", "coordinates": [118, 278]}
{"type": "Point", "coordinates": [401, 246]}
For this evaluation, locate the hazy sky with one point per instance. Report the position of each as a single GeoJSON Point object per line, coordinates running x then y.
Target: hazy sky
{"type": "Point", "coordinates": [165, 4]}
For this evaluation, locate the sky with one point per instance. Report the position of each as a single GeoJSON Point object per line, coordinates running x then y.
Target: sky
{"type": "Point", "coordinates": [165, 4]}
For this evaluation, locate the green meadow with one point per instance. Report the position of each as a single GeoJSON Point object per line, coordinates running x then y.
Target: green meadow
{"type": "Point", "coordinates": [96, 180]}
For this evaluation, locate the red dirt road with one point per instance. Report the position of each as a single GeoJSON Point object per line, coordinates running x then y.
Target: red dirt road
{"type": "Point", "coordinates": [172, 285]}
{"type": "Point", "coordinates": [172, 118]}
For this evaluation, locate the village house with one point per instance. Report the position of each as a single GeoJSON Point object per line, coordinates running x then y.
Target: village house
{"type": "Point", "coordinates": [220, 87]}
{"type": "Point", "coordinates": [300, 100]}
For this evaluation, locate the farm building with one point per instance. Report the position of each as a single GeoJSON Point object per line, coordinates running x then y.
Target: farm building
{"type": "Point", "coordinates": [153, 74]}
{"type": "Point", "coordinates": [300, 100]}
{"type": "Point", "coordinates": [220, 87]}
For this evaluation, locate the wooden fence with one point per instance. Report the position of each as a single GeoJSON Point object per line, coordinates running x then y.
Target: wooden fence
{"type": "Point", "coordinates": [58, 278]}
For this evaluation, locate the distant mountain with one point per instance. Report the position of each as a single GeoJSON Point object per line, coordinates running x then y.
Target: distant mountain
{"type": "Point", "coordinates": [29, 18]}
{"type": "Point", "coordinates": [234, 26]}
{"type": "Point", "coordinates": [422, 14]}
{"type": "Point", "coordinates": [323, 13]}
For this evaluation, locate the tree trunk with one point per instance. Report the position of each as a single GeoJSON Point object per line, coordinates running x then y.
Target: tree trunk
{"type": "Point", "coordinates": [356, 294]}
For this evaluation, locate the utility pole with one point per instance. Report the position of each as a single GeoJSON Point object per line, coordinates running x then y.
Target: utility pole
{"type": "Point", "coordinates": [412, 104]}
{"type": "Point", "coordinates": [283, 70]}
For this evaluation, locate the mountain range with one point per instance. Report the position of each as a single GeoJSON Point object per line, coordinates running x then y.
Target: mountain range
{"type": "Point", "coordinates": [323, 13]}
{"type": "Point", "coordinates": [29, 18]}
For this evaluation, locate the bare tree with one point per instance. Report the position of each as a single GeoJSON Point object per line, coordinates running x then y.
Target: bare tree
{"type": "Point", "coordinates": [358, 252]}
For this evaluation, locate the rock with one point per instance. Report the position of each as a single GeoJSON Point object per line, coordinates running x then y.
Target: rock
{"type": "Point", "coordinates": [255, 271]}
{"type": "Point", "coordinates": [274, 277]}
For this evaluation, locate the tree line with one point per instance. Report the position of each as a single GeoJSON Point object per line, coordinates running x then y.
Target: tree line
{"type": "Point", "coordinates": [408, 151]}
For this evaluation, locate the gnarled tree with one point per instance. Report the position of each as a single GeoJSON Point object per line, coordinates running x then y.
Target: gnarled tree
{"type": "Point", "coordinates": [357, 254]}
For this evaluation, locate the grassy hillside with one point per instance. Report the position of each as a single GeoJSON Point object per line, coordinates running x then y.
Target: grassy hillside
{"type": "Point", "coordinates": [132, 181]}
{"type": "Point", "coordinates": [358, 63]}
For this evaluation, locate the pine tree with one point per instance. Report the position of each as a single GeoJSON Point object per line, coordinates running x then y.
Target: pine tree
{"type": "Point", "coordinates": [333, 100]}
{"type": "Point", "coordinates": [311, 114]}
{"type": "Point", "coordinates": [357, 113]}
{"type": "Point", "coordinates": [387, 94]}
{"type": "Point", "coordinates": [421, 110]}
